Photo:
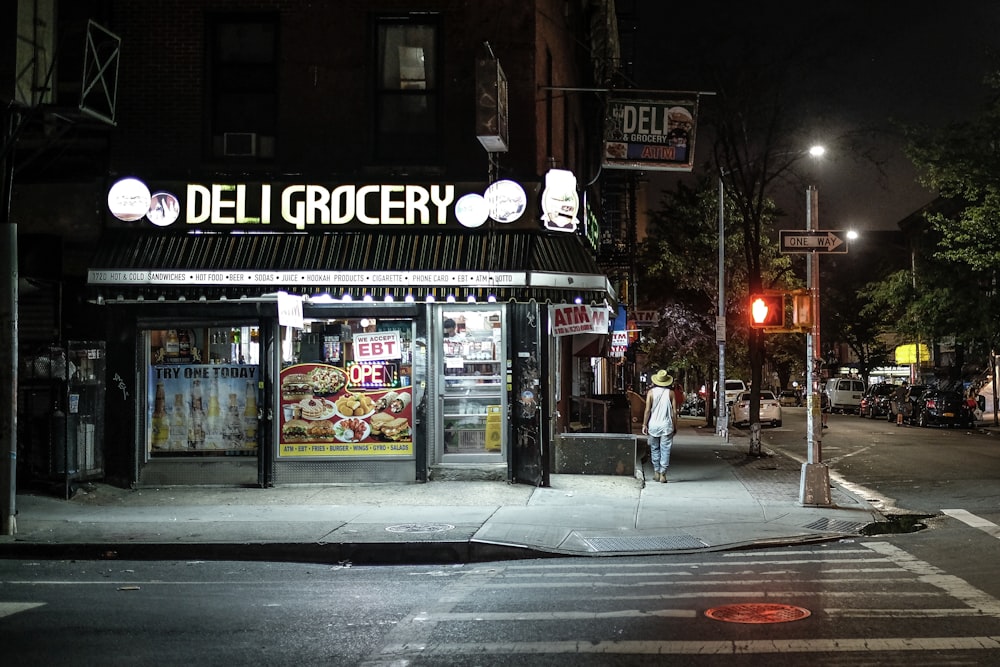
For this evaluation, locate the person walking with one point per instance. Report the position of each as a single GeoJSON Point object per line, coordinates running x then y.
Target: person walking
{"type": "Point", "coordinates": [899, 396]}
{"type": "Point", "coordinates": [658, 423]}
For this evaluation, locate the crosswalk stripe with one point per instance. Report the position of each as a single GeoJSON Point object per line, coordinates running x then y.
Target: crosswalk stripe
{"type": "Point", "coordinates": [553, 615]}
{"type": "Point", "coordinates": [891, 586]}
{"type": "Point", "coordinates": [971, 519]}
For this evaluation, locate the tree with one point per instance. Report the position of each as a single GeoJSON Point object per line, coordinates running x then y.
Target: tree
{"type": "Point", "coordinates": [753, 154]}
{"type": "Point", "coordinates": [678, 279]}
{"type": "Point", "coordinates": [962, 163]}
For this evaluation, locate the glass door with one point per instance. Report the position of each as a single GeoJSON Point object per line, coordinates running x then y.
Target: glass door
{"type": "Point", "coordinates": [472, 384]}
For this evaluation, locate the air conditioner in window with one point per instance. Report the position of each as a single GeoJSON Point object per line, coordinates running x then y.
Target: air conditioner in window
{"type": "Point", "coordinates": [239, 144]}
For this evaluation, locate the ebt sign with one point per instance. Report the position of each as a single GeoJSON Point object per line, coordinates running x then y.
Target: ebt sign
{"type": "Point", "coordinates": [303, 206]}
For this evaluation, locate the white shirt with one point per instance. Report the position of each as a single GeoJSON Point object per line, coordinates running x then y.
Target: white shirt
{"type": "Point", "coordinates": [661, 416]}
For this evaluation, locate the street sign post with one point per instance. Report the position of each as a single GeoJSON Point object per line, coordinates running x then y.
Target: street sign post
{"type": "Point", "coordinates": [827, 241]}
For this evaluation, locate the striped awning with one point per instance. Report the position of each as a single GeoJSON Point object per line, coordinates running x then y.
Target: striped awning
{"type": "Point", "coordinates": [544, 267]}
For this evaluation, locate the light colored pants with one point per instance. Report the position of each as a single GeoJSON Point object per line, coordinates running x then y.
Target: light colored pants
{"type": "Point", "coordinates": [659, 451]}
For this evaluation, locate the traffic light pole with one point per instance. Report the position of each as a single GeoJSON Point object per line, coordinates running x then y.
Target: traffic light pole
{"type": "Point", "coordinates": [814, 486]}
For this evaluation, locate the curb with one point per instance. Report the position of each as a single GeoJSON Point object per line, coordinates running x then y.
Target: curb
{"type": "Point", "coordinates": [395, 553]}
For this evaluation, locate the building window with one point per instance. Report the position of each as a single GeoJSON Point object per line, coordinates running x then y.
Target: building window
{"type": "Point", "coordinates": [243, 81]}
{"type": "Point", "coordinates": [407, 123]}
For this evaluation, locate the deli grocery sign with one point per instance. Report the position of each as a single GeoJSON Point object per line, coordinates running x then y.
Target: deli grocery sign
{"type": "Point", "coordinates": [653, 132]}
{"type": "Point", "coordinates": [290, 207]}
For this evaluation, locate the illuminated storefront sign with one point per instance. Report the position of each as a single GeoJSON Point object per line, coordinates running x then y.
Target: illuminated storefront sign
{"type": "Point", "coordinates": [403, 279]}
{"type": "Point", "coordinates": [560, 201]}
{"type": "Point", "coordinates": [286, 207]}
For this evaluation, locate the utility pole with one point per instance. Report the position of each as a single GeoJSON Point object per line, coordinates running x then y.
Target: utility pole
{"type": "Point", "coordinates": [814, 487]}
{"type": "Point", "coordinates": [722, 421]}
{"type": "Point", "coordinates": [8, 328]}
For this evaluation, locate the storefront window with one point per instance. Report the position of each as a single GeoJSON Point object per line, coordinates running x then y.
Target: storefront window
{"type": "Point", "coordinates": [473, 382]}
{"type": "Point", "coordinates": [346, 389]}
{"type": "Point", "coordinates": [202, 388]}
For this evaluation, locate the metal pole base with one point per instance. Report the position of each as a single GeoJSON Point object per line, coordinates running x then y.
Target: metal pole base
{"type": "Point", "coordinates": [814, 486]}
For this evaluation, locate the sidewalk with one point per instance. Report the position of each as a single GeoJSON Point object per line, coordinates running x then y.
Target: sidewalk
{"type": "Point", "coordinates": [717, 498]}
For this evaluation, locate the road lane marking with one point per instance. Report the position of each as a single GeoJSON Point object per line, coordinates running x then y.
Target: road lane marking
{"type": "Point", "coordinates": [11, 608]}
{"type": "Point", "coordinates": [971, 519]}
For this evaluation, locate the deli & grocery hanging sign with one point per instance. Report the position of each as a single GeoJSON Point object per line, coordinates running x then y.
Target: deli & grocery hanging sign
{"type": "Point", "coordinates": [654, 132]}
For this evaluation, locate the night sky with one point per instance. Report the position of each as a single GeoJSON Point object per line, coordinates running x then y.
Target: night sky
{"type": "Point", "coordinates": [863, 63]}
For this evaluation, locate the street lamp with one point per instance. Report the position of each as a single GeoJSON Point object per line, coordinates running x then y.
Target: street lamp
{"type": "Point", "coordinates": [814, 487]}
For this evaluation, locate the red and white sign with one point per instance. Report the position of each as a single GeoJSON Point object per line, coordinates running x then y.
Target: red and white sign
{"type": "Point", "coordinates": [619, 343]}
{"type": "Point", "coordinates": [377, 346]}
{"type": "Point", "coordinates": [569, 319]}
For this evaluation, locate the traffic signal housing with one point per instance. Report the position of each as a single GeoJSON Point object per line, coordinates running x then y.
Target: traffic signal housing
{"type": "Point", "coordinates": [782, 312]}
{"type": "Point", "coordinates": [802, 310]}
{"type": "Point", "coordinates": [767, 310]}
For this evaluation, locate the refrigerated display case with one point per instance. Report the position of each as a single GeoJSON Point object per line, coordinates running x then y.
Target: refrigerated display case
{"type": "Point", "coordinates": [473, 385]}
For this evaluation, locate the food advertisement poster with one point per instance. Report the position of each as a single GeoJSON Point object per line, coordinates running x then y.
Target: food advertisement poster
{"type": "Point", "coordinates": [332, 411]}
{"type": "Point", "coordinates": [655, 134]}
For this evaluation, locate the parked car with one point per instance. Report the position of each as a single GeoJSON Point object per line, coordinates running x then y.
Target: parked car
{"type": "Point", "coordinates": [844, 394]}
{"type": "Point", "coordinates": [876, 399]}
{"type": "Point", "coordinates": [906, 406]}
{"type": "Point", "coordinates": [944, 408]}
{"type": "Point", "coordinates": [770, 409]}
{"type": "Point", "coordinates": [789, 399]}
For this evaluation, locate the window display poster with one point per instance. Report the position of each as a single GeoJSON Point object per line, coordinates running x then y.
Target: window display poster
{"type": "Point", "coordinates": [326, 411]}
{"type": "Point", "coordinates": [203, 408]}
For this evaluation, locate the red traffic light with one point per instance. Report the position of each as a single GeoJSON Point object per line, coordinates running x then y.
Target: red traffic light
{"type": "Point", "coordinates": [767, 311]}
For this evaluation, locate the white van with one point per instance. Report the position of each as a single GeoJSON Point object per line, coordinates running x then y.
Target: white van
{"type": "Point", "coordinates": [845, 394]}
{"type": "Point", "coordinates": [733, 389]}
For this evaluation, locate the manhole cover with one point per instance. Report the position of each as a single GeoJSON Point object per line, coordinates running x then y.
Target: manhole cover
{"type": "Point", "coordinates": [419, 527]}
{"type": "Point", "coordinates": [757, 613]}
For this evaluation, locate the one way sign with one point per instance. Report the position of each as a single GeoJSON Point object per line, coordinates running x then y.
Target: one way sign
{"type": "Point", "coordinates": [820, 240]}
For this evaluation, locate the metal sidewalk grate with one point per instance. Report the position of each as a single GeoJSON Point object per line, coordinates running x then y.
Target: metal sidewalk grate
{"type": "Point", "coordinates": [644, 543]}
{"type": "Point", "coordinates": [836, 526]}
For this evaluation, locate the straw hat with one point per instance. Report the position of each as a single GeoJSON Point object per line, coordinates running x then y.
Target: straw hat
{"type": "Point", "coordinates": [663, 379]}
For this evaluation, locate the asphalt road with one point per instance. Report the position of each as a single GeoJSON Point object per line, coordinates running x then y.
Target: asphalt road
{"type": "Point", "coordinates": [857, 602]}
{"type": "Point", "coordinates": [929, 597]}
{"type": "Point", "coordinates": [906, 468]}
{"type": "Point", "coordinates": [945, 480]}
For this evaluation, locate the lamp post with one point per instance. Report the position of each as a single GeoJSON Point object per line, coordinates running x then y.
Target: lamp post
{"type": "Point", "coordinates": [722, 418]}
